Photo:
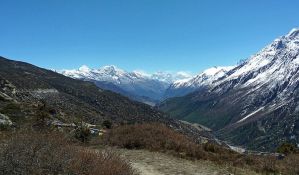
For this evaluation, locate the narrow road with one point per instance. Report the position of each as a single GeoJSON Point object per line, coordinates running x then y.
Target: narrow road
{"type": "Point", "coordinates": [152, 163]}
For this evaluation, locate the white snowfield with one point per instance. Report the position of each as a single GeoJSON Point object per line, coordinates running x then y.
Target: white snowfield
{"type": "Point", "coordinates": [116, 75]}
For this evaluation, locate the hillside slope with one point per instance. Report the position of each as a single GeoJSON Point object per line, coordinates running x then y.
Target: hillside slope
{"type": "Point", "coordinates": [25, 87]}
{"type": "Point", "coordinates": [201, 81]}
{"type": "Point", "coordinates": [253, 105]}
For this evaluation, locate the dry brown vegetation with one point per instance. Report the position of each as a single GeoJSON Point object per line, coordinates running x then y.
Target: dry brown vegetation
{"type": "Point", "coordinates": [158, 137]}
{"type": "Point", "coordinates": [50, 153]}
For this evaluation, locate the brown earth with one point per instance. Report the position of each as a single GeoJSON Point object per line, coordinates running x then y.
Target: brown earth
{"type": "Point", "coordinates": [154, 163]}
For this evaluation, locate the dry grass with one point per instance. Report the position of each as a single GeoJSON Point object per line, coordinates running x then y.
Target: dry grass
{"type": "Point", "coordinates": [154, 137]}
{"type": "Point", "coordinates": [100, 163]}
{"type": "Point", "coordinates": [289, 165]}
{"type": "Point", "coordinates": [158, 137]}
{"type": "Point", "coordinates": [34, 153]}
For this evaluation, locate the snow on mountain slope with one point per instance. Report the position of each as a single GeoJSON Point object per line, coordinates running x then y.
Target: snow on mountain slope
{"type": "Point", "coordinates": [271, 75]}
{"type": "Point", "coordinates": [206, 78]}
{"type": "Point", "coordinates": [255, 104]}
{"type": "Point", "coordinates": [275, 60]}
{"type": "Point", "coordinates": [203, 80]}
{"type": "Point", "coordinates": [106, 73]}
{"type": "Point", "coordinates": [138, 85]}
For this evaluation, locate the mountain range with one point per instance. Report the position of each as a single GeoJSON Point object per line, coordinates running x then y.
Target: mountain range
{"type": "Point", "coordinates": [254, 104]}
{"type": "Point", "coordinates": [137, 85]}
{"type": "Point", "coordinates": [147, 88]}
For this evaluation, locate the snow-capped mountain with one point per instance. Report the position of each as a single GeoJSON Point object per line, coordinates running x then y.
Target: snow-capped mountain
{"type": "Point", "coordinates": [254, 104]}
{"type": "Point", "coordinates": [149, 88]}
{"type": "Point", "coordinates": [203, 80]}
{"type": "Point", "coordinates": [106, 73]}
{"type": "Point", "coordinates": [170, 77]}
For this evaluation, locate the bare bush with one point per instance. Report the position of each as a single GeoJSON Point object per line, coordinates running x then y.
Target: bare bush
{"type": "Point", "coordinates": [51, 154]}
{"type": "Point", "coordinates": [155, 137]}
{"type": "Point", "coordinates": [289, 165]}
{"type": "Point", "coordinates": [158, 137]}
{"type": "Point", "coordinates": [100, 163]}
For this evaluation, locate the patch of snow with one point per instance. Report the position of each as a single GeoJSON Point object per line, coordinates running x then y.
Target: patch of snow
{"type": "Point", "coordinates": [205, 78]}
{"type": "Point", "coordinates": [46, 91]}
{"type": "Point", "coordinates": [4, 120]}
{"type": "Point", "coordinates": [251, 114]}
{"type": "Point", "coordinates": [183, 75]}
{"type": "Point", "coordinates": [237, 149]}
{"type": "Point", "coordinates": [216, 70]}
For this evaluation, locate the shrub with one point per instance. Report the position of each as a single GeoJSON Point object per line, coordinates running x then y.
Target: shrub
{"type": "Point", "coordinates": [154, 137]}
{"type": "Point", "coordinates": [14, 111]}
{"type": "Point", "coordinates": [100, 163]}
{"type": "Point", "coordinates": [4, 127]}
{"type": "Point", "coordinates": [10, 108]}
{"type": "Point", "coordinates": [50, 153]}
{"type": "Point", "coordinates": [34, 154]}
{"type": "Point", "coordinates": [286, 148]}
{"type": "Point", "coordinates": [158, 137]}
{"type": "Point", "coordinates": [289, 165]}
{"type": "Point", "coordinates": [2, 98]}
{"type": "Point", "coordinates": [82, 133]}
{"type": "Point", "coordinates": [107, 124]}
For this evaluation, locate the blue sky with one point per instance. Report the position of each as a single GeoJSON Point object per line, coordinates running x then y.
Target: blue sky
{"type": "Point", "coordinates": [150, 35]}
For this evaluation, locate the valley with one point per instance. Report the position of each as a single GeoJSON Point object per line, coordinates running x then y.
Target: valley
{"type": "Point", "coordinates": [149, 87]}
{"type": "Point", "coordinates": [139, 86]}
{"type": "Point", "coordinates": [36, 101]}
{"type": "Point", "coordinates": [256, 99]}
{"type": "Point", "coordinates": [246, 99]}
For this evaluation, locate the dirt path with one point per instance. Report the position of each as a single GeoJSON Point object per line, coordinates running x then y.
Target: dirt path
{"type": "Point", "coordinates": [152, 163]}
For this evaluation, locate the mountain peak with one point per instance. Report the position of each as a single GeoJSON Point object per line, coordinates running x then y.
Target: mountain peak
{"type": "Point", "coordinates": [216, 69]}
{"type": "Point", "coordinates": [293, 33]}
{"type": "Point", "coordinates": [112, 69]}
{"type": "Point", "coordinates": [84, 68]}
{"type": "Point", "coordinates": [190, 84]}
{"type": "Point", "coordinates": [109, 67]}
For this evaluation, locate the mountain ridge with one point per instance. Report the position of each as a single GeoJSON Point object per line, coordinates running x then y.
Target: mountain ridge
{"type": "Point", "coordinates": [257, 99]}
{"type": "Point", "coordinates": [147, 88]}
{"type": "Point", "coordinates": [137, 85]}
{"type": "Point", "coordinates": [29, 94]}
{"type": "Point", "coordinates": [200, 81]}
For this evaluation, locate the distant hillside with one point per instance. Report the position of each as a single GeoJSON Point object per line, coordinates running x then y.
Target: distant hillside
{"type": "Point", "coordinates": [24, 87]}
{"type": "Point", "coordinates": [139, 86]}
